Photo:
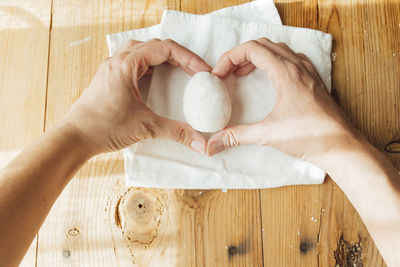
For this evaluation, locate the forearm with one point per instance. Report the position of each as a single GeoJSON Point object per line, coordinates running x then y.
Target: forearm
{"type": "Point", "coordinates": [31, 183]}
{"type": "Point", "coordinates": [372, 185]}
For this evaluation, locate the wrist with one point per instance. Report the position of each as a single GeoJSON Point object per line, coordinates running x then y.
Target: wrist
{"type": "Point", "coordinates": [76, 139]}
{"type": "Point", "coordinates": [343, 143]}
{"type": "Point", "coordinates": [351, 154]}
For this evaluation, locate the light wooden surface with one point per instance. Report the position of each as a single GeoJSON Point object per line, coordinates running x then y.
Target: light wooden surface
{"type": "Point", "coordinates": [49, 50]}
{"type": "Point", "coordinates": [24, 43]}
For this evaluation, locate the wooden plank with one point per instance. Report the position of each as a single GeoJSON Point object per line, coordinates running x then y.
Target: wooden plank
{"type": "Point", "coordinates": [290, 222]}
{"type": "Point", "coordinates": [291, 215]}
{"type": "Point", "coordinates": [24, 35]}
{"type": "Point", "coordinates": [366, 82]}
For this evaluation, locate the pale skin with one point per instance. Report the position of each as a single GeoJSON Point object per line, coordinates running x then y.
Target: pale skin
{"type": "Point", "coordinates": [110, 115]}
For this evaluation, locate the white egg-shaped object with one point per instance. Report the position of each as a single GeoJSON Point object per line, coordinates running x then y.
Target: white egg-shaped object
{"type": "Point", "coordinates": [206, 103]}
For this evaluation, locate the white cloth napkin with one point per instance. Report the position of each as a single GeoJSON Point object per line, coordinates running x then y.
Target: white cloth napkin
{"type": "Point", "coordinates": [257, 11]}
{"type": "Point", "coordinates": [163, 163]}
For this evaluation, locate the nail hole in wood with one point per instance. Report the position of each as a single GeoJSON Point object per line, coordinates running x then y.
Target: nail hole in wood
{"type": "Point", "coordinates": [140, 205]}
{"type": "Point", "coordinates": [304, 248]}
{"type": "Point", "coordinates": [232, 250]}
{"type": "Point", "coordinates": [66, 253]}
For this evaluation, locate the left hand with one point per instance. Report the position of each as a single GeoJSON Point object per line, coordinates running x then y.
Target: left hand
{"type": "Point", "coordinates": [111, 114]}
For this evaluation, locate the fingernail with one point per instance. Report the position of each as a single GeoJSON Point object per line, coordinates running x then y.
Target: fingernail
{"type": "Point", "coordinates": [198, 146]}
{"type": "Point", "coordinates": [215, 148]}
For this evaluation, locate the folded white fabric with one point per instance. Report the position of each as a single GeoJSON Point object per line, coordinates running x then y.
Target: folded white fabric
{"type": "Point", "coordinates": [257, 11]}
{"type": "Point", "coordinates": [163, 163]}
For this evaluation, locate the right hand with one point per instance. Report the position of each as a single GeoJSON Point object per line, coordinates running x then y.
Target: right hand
{"type": "Point", "coordinates": [305, 122]}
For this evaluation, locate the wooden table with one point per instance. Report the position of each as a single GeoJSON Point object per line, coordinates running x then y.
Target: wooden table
{"type": "Point", "coordinates": [50, 49]}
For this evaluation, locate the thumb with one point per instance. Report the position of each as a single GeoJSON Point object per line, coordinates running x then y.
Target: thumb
{"type": "Point", "coordinates": [233, 136]}
{"type": "Point", "coordinates": [181, 133]}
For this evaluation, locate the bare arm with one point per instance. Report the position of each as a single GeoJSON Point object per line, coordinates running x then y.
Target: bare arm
{"type": "Point", "coordinates": [372, 185]}
{"type": "Point", "coordinates": [31, 183]}
{"type": "Point", "coordinates": [306, 123]}
{"type": "Point", "coordinates": [109, 115]}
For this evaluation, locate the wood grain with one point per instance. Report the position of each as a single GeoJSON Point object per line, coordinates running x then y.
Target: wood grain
{"type": "Point", "coordinates": [76, 231]}
{"type": "Point", "coordinates": [97, 221]}
{"type": "Point", "coordinates": [193, 228]}
{"type": "Point", "coordinates": [24, 35]}
{"type": "Point", "coordinates": [202, 7]}
{"type": "Point", "coordinates": [350, 79]}
{"type": "Point", "coordinates": [190, 227]}
{"type": "Point", "coordinates": [367, 88]}
{"type": "Point", "coordinates": [24, 39]}
{"type": "Point", "coordinates": [291, 216]}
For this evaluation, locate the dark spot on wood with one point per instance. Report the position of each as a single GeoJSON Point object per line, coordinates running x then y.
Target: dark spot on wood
{"type": "Point", "coordinates": [348, 254]}
{"type": "Point", "coordinates": [232, 250]}
{"type": "Point", "coordinates": [305, 247]}
{"type": "Point", "coordinates": [66, 253]}
{"type": "Point", "coordinates": [44, 199]}
{"type": "Point", "coordinates": [240, 249]}
{"type": "Point", "coordinates": [393, 147]}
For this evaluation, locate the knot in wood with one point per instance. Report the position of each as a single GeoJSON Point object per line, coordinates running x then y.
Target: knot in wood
{"type": "Point", "coordinates": [393, 146]}
{"type": "Point", "coordinates": [139, 213]}
{"type": "Point", "coordinates": [73, 232]}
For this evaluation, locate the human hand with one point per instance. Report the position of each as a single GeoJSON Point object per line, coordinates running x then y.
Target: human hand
{"type": "Point", "coordinates": [111, 114]}
{"type": "Point", "coordinates": [305, 122]}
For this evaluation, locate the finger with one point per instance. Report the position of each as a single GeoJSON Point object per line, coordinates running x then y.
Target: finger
{"type": "Point", "coordinates": [302, 56]}
{"type": "Point", "coordinates": [158, 52]}
{"type": "Point", "coordinates": [135, 44]}
{"type": "Point", "coordinates": [259, 55]}
{"type": "Point", "coordinates": [281, 49]}
{"type": "Point", "coordinates": [310, 67]}
{"type": "Point", "coordinates": [181, 133]}
{"type": "Point", "coordinates": [306, 61]}
{"type": "Point", "coordinates": [233, 136]}
{"type": "Point", "coordinates": [143, 44]}
{"type": "Point", "coordinates": [244, 70]}
{"type": "Point", "coordinates": [129, 44]}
